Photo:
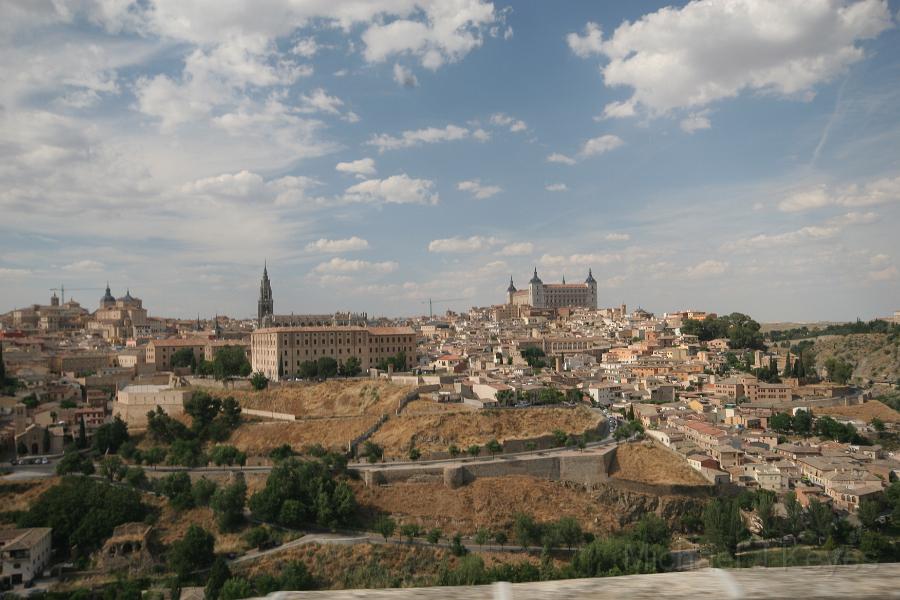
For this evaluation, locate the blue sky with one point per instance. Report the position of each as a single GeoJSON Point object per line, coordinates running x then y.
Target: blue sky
{"type": "Point", "coordinates": [726, 155]}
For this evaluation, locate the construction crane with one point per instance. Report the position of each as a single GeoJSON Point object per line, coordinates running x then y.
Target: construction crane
{"type": "Point", "coordinates": [62, 291]}
{"type": "Point", "coordinates": [440, 300]}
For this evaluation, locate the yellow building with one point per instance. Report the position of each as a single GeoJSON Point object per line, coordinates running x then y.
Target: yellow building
{"type": "Point", "coordinates": [277, 352]}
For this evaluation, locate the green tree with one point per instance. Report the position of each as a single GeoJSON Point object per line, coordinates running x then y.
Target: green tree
{"type": "Point", "coordinates": [493, 447]}
{"type": "Point", "coordinates": [135, 477]}
{"type": "Point", "coordinates": [327, 367]}
{"type": "Point", "coordinates": [177, 488]}
{"type": "Point", "coordinates": [569, 531]}
{"type": "Point", "coordinates": [230, 361]}
{"type": "Point", "coordinates": [112, 468]}
{"type": "Point", "coordinates": [414, 453]}
{"type": "Point", "coordinates": [82, 434]}
{"type": "Point", "coordinates": [372, 451]}
{"type": "Point", "coordinates": [218, 575]}
{"type": "Point", "coordinates": [235, 589]}
{"type": "Point", "coordinates": [223, 454]}
{"type": "Point", "coordinates": [820, 519]}
{"type": "Point", "coordinates": [526, 530]}
{"type": "Point", "coordinates": [191, 553]}
{"type": "Point", "coordinates": [259, 382]}
{"type": "Point", "coordinates": [482, 537]}
{"type": "Point", "coordinates": [110, 436]}
{"type": "Point", "coordinates": [257, 537]}
{"type": "Point", "coordinates": [309, 369]}
{"type": "Point", "coordinates": [500, 538]}
{"type": "Point", "coordinates": [351, 367]}
{"type": "Point", "coordinates": [154, 456]}
{"type": "Point", "coordinates": [385, 526]}
{"type": "Point", "coordinates": [228, 504]}
{"type": "Point", "coordinates": [453, 450]}
{"type": "Point", "coordinates": [184, 357]}
{"type": "Point", "coordinates": [474, 450]}
{"type": "Point", "coordinates": [723, 525]}
{"type": "Point", "coordinates": [794, 512]}
{"type": "Point", "coordinates": [202, 491]}
{"type": "Point", "coordinates": [868, 513]}
{"type": "Point", "coordinates": [434, 535]}
{"type": "Point", "coordinates": [410, 531]}
{"type": "Point", "coordinates": [74, 462]}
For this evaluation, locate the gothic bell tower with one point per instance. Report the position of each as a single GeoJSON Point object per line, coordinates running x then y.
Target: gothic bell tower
{"type": "Point", "coordinates": [266, 305]}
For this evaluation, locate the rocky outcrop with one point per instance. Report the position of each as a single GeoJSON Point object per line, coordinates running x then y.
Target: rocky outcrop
{"type": "Point", "coordinates": [630, 502]}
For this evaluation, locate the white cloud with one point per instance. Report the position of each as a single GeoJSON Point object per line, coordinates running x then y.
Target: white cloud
{"type": "Point", "coordinates": [339, 265]}
{"type": "Point", "coordinates": [886, 274]}
{"type": "Point", "coordinates": [765, 240]}
{"type": "Point", "coordinates": [707, 51]}
{"type": "Point", "coordinates": [417, 137]}
{"type": "Point", "coordinates": [7, 273]}
{"type": "Point", "coordinates": [319, 101]}
{"type": "Point", "coordinates": [451, 29]}
{"type": "Point", "coordinates": [462, 245]}
{"type": "Point", "coordinates": [556, 187]}
{"type": "Point", "coordinates": [361, 167]}
{"type": "Point", "coordinates": [583, 260]}
{"type": "Point", "coordinates": [707, 268]}
{"type": "Point", "coordinates": [84, 266]}
{"type": "Point", "coordinates": [694, 122]}
{"type": "Point", "coordinates": [396, 189]}
{"type": "Point", "coordinates": [345, 245]}
{"type": "Point", "coordinates": [618, 110]}
{"type": "Point", "coordinates": [306, 47]}
{"type": "Point", "coordinates": [617, 237]}
{"type": "Point", "coordinates": [504, 120]}
{"type": "Point", "coordinates": [588, 44]}
{"type": "Point", "coordinates": [853, 218]}
{"type": "Point", "coordinates": [556, 157]}
{"type": "Point", "coordinates": [881, 191]}
{"type": "Point", "coordinates": [517, 249]}
{"type": "Point", "coordinates": [405, 77]}
{"type": "Point", "coordinates": [600, 145]}
{"type": "Point", "coordinates": [240, 184]}
{"type": "Point", "coordinates": [480, 192]}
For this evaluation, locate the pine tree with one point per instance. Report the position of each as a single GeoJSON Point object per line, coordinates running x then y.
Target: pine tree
{"type": "Point", "coordinates": [788, 370]}
{"type": "Point", "coordinates": [82, 434]}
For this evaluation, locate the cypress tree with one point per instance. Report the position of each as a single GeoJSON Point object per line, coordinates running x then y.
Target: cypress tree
{"type": "Point", "coordinates": [787, 366]}
{"type": "Point", "coordinates": [82, 434]}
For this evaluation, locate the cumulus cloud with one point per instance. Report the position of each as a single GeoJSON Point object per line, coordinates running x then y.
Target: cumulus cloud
{"type": "Point", "coordinates": [339, 265]}
{"type": "Point", "coordinates": [556, 157]}
{"type": "Point", "coordinates": [517, 249]}
{"type": "Point", "coordinates": [504, 120]}
{"type": "Point", "coordinates": [582, 260]}
{"type": "Point", "coordinates": [82, 266]}
{"type": "Point", "coordinates": [417, 137]}
{"type": "Point", "coordinates": [694, 122]}
{"type": "Point", "coordinates": [707, 268]}
{"type": "Point", "coordinates": [396, 189]}
{"type": "Point", "coordinates": [344, 245]}
{"type": "Point", "coordinates": [462, 245]}
{"type": "Point", "coordinates": [306, 47]}
{"type": "Point", "coordinates": [405, 77]}
{"type": "Point", "coordinates": [479, 191]}
{"type": "Point", "coordinates": [361, 167]}
{"type": "Point", "coordinates": [880, 191]}
{"type": "Point", "coordinates": [766, 240]}
{"type": "Point", "coordinates": [586, 45]}
{"type": "Point", "coordinates": [556, 187]}
{"type": "Point", "coordinates": [600, 145]}
{"type": "Point", "coordinates": [239, 184]}
{"type": "Point", "coordinates": [692, 56]}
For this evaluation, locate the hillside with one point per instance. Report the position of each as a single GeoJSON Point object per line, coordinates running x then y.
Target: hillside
{"type": "Point", "coordinates": [335, 398]}
{"type": "Point", "coordinates": [647, 463]}
{"type": "Point", "coordinates": [874, 356]}
{"type": "Point", "coordinates": [486, 503]}
{"type": "Point", "coordinates": [259, 438]}
{"type": "Point", "coordinates": [864, 412]}
{"type": "Point", "coordinates": [435, 432]}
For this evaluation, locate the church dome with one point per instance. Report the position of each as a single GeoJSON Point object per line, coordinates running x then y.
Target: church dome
{"type": "Point", "coordinates": [535, 279]}
{"type": "Point", "coordinates": [107, 297]}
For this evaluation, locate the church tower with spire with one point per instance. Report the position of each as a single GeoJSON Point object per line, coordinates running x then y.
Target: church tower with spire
{"type": "Point", "coordinates": [266, 305]}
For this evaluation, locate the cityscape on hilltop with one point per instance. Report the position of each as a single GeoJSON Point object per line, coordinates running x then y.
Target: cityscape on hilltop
{"type": "Point", "coordinates": [449, 299]}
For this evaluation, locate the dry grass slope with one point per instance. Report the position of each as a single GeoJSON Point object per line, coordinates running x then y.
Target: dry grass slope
{"type": "Point", "coordinates": [336, 398]}
{"type": "Point", "coordinates": [647, 463]}
{"type": "Point", "coordinates": [490, 502]}
{"type": "Point", "coordinates": [434, 433]}
{"type": "Point", "coordinates": [259, 438]}
{"type": "Point", "coordinates": [873, 355]}
{"type": "Point", "coordinates": [865, 412]}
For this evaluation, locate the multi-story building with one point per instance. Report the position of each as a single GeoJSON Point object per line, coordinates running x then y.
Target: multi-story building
{"type": "Point", "coordinates": [25, 553]}
{"type": "Point", "coordinates": [160, 352]}
{"type": "Point", "coordinates": [119, 319]}
{"type": "Point", "coordinates": [554, 295]}
{"type": "Point", "coordinates": [277, 352]}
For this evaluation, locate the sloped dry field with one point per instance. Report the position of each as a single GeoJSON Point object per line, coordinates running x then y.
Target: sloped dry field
{"type": "Point", "coordinates": [647, 463]}
{"type": "Point", "coordinates": [430, 407]}
{"type": "Point", "coordinates": [490, 502]}
{"type": "Point", "coordinates": [873, 355]}
{"type": "Point", "coordinates": [435, 433]}
{"type": "Point", "coordinates": [335, 398]}
{"type": "Point", "coordinates": [864, 412]}
{"type": "Point", "coordinates": [258, 438]}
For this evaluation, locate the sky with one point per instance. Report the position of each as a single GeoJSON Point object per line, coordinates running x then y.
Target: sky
{"type": "Point", "coordinates": [727, 155]}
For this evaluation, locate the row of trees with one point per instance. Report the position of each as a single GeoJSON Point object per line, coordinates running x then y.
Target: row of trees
{"type": "Point", "coordinates": [802, 423]}
{"type": "Point", "coordinates": [740, 329]}
{"type": "Point", "coordinates": [327, 367]}
{"type": "Point", "coordinates": [873, 326]}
